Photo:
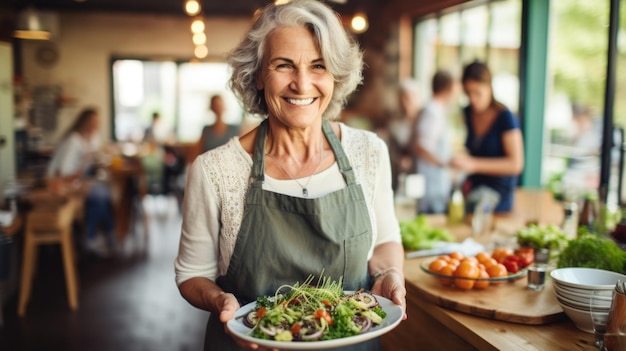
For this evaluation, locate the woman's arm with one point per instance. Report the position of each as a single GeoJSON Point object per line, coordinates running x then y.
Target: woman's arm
{"type": "Point", "coordinates": [511, 164]}
{"type": "Point", "coordinates": [387, 260]}
{"type": "Point", "coordinates": [204, 294]}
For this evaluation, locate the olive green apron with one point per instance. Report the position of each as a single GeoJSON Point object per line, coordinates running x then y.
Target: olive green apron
{"type": "Point", "coordinates": [284, 239]}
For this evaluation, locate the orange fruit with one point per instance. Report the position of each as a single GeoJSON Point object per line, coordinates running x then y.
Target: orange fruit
{"type": "Point", "coordinates": [482, 256]}
{"type": "Point", "coordinates": [481, 284]}
{"type": "Point", "coordinates": [466, 270]}
{"type": "Point", "coordinates": [473, 260]}
{"type": "Point", "coordinates": [454, 262]}
{"type": "Point", "coordinates": [488, 262]}
{"type": "Point", "coordinates": [459, 256]}
{"type": "Point", "coordinates": [444, 257]}
{"type": "Point", "coordinates": [447, 271]}
{"type": "Point", "coordinates": [497, 270]}
{"type": "Point", "coordinates": [500, 253]}
{"type": "Point", "coordinates": [437, 265]}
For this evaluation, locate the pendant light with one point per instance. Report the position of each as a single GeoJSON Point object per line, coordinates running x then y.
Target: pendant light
{"type": "Point", "coordinates": [31, 25]}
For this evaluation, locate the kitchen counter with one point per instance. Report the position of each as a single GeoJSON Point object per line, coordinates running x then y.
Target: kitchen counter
{"type": "Point", "coordinates": [432, 327]}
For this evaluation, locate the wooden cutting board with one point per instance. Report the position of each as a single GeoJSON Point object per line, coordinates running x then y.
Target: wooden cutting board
{"type": "Point", "coordinates": [508, 301]}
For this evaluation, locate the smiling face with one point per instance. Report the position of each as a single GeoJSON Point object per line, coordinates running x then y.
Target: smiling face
{"type": "Point", "coordinates": [479, 94]}
{"type": "Point", "coordinates": [296, 85]}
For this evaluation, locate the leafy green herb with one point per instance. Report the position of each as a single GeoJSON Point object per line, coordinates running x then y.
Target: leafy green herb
{"type": "Point", "coordinates": [542, 237]}
{"type": "Point", "coordinates": [418, 234]}
{"type": "Point", "coordinates": [593, 251]}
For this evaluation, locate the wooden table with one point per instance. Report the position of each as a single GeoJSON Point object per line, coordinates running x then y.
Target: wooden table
{"type": "Point", "coordinates": [431, 327]}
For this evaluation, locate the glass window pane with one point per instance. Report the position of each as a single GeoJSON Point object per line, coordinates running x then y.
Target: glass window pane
{"type": "Point", "coordinates": [575, 95]}
{"type": "Point", "coordinates": [139, 89]}
{"type": "Point", "coordinates": [426, 38]}
{"type": "Point", "coordinates": [474, 23]}
{"type": "Point", "coordinates": [449, 40]}
{"type": "Point", "coordinates": [198, 82]}
{"type": "Point", "coordinates": [504, 43]}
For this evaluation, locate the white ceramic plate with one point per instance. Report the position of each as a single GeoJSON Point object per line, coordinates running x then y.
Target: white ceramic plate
{"type": "Point", "coordinates": [394, 316]}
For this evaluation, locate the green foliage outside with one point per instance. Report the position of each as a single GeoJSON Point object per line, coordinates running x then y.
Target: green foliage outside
{"type": "Point", "coordinates": [578, 52]}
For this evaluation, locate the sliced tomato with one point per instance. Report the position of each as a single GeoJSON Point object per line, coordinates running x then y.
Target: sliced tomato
{"type": "Point", "coordinates": [295, 328]}
{"type": "Point", "coordinates": [261, 312]}
{"type": "Point", "coordinates": [322, 313]}
{"type": "Point", "coordinates": [327, 303]}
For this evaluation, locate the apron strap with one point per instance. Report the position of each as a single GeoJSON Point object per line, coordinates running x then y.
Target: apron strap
{"type": "Point", "coordinates": [258, 165]}
{"type": "Point", "coordinates": [342, 160]}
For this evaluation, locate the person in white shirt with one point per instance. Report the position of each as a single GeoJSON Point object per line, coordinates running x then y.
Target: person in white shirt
{"type": "Point", "coordinates": [433, 146]}
{"type": "Point", "coordinates": [74, 159]}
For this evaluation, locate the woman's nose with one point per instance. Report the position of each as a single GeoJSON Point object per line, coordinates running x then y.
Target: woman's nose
{"type": "Point", "coordinates": [302, 81]}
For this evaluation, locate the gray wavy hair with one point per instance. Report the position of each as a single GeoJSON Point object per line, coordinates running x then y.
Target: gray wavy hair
{"type": "Point", "coordinates": [342, 56]}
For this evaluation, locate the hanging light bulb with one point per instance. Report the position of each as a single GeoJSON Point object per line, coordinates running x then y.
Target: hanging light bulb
{"type": "Point", "coordinates": [192, 7]}
{"type": "Point", "coordinates": [359, 22]}
{"type": "Point", "coordinates": [199, 38]}
{"type": "Point", "coordinates": [201, 51]}
{"type": "Point", "coordinates": [197, 26]}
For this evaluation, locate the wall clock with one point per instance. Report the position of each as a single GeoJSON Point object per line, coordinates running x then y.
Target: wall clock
{"type": "Point", "coordinates": [47, 54]}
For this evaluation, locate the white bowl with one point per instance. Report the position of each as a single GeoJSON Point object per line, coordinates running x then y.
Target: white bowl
{"type": "Point", "coordinates": [581, 305]}
{"type": "Point", "coordinates": [581, 318]}
{"type": "Point", "coordinates": [582, 298]}
{"type": "Point", "coordinates": [608, 293]}
{"type": "Point", "coordinates": [587, 278]}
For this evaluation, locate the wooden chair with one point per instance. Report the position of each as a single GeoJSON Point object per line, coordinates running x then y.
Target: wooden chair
{"type": "Point", "coordinates": [49, 223]}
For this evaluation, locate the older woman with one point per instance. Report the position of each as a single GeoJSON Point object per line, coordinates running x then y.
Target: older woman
{"type": "Point", "coordinates": [299, 195]}
{"type": "Point", "coordinates": [494, 140]}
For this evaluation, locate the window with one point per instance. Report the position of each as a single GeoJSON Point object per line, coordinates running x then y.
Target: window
{"type": "Point", "coordinates": [179, 92]}
{"type": "Point", "coordinates": [575, 95]}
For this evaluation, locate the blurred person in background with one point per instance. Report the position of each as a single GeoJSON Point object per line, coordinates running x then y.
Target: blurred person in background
{"type": "Point", "coordinates": [432, 145]}
{"type": "Point", "coordinates": [494, 145]}
{"type": "Point", "coordinates": [219, 132]}
{"type": "Point", "coordinates": [75, 159]}
{"type": "Point", "coordinates": [586, 136]}
{"type": "Point", "coordinates": [300, 194]}
{"type": "Point", "coordinates": [401, 129]}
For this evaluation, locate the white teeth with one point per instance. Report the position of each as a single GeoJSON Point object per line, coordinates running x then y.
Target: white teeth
{"type": "Point", "coordinates": [300, 102]}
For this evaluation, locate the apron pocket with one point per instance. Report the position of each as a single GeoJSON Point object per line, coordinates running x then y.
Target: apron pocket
{"type": "Point", "coordinates": [355, 253]}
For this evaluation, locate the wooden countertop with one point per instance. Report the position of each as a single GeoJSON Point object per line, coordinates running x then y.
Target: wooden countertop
{"type": "Point", "coordinates": [431, 327]}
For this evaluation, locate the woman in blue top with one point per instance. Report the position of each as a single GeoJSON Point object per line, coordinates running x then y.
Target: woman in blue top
{"type": "Point", "coordinates": [494, 141]}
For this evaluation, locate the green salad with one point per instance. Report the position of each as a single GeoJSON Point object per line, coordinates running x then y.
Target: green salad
{"type": "Point", "coordinates": [418, 234]}
{"type": "Point", "coordinates": [542, 237]}
{"type": "Point", "coordinates": [304, 312]}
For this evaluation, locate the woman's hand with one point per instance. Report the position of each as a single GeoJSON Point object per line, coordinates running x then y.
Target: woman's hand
{"type": "Point", "coordinates": [463, 162]}
{"type": "Point", "coordinates": [390, 284]}
{"type": "Point", "coordinates": [227, 304]}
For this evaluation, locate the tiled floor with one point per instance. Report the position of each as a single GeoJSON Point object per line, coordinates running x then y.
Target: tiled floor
{"type": "Point", "coordinates": [127, 302]}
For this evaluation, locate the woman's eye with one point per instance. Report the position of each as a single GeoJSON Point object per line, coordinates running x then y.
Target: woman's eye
{"type": "Point", "coordinates": [283, 66]}
{"type": "Point", "coordinates": [319, 67]}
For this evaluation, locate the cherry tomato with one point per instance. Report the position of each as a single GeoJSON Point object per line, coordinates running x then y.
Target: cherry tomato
{"type": "Point", "coordinates": [512, 266]}
{"type": "Point", "coordinates": [526, 255]}
{"type": "Point", "coordinates": [295, 328]}
{"type": "Point", "coordinates": [261, 312]}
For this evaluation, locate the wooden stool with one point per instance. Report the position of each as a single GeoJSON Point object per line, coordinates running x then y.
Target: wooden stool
{"type": "Point", "coordinates": [49, 224]}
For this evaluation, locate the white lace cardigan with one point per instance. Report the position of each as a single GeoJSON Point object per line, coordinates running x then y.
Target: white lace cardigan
{"type": "Point", "coordinates": [215, 197]}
